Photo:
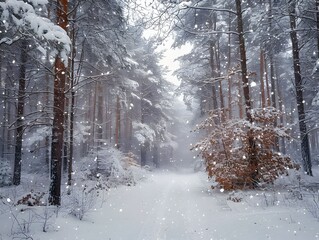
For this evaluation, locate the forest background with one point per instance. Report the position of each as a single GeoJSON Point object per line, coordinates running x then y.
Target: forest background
{"type": "Point", "coordinates": [82, 89]}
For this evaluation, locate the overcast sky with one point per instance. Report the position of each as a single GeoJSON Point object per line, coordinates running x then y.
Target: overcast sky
{"type": "Point", "coordinates": [170, 55]}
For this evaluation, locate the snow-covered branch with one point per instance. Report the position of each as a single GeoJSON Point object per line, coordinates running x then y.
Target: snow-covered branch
{"type": "Point", "coordinates": [23, 18]}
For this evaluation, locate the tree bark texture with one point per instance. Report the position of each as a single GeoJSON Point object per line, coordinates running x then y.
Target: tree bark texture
{"type": "Point", "coordinates": [252, 158]}
{"type": "Point", "coordinates": [20, 115]}
{"type": "Point", "coordinates": [262, 84]}
{"type": "Point", "coordinates": [2, 125]}
{"type": "Point", "coordinates": [273, 81]}
{"type": "Point", "coordinates": [243, 61]}
{"type": "Point", "coordinates": [118, 122]}
{"type": "Point", "coordinates": [305, 149]}
{"type": "Point", "coordinates": [58, 113]}
{"type": "Point", "coordinates": [317, 22]}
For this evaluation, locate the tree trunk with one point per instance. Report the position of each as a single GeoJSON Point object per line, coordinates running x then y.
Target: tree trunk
{"type": "Point", "coordinates": [118, 122]}
{"type": "Point", "coordinates": [267, 84]}
{"type": "Point", "coordinates": [220, 85]}
{"type": "Point", "coordinates": [305, 150]}
{"type": "Point", "coordinates": [282, 117]}
{"type": "Point", "coordinates": [262, 83]}
{"type": "Point", "coordinates": [243, 61]}
{"type": "Point", "coordinates": [213, 63]}
{"type": "Point", "coordinates": [99, 125]}
{"type": "Point", "coordinates": [252, 158]}
{"type": "Point", "coordinates": [20, 116]}
{"type": "Point", "coordinates": [128, 127]}
{"type": "Point", "coordinates": [143, 154]}
{"type": "Point", "coordinates": [3, 117]}
{"type": "Point", "coordinates": [240, 97]}
{"type": "Point", "coordinates": [156, 156]}
{"type": "Point", "coordinates": [58, 114]}
{"type": "Point", "coordinates": [70, 160]}
{"type": "Point", "coordinates": [145, 144]}
{"type": "Point", "coordinates": [272, 75]}
{"type": "Point", "coordinates": [66, 144]}
{"type": "Point", "coordinates": [213, 69]}
{"type": "Point", "coordinates": [230, 115]}
{"type": "Point", "coordinates": [317, 21]}
{"type": "Point", "coordinates": [92, 116]}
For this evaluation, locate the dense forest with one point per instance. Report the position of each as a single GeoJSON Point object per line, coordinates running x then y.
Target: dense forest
{"type": "Point", "coordinates": [252, 70]}
{"type": "Point", "coordinates": [84, 97]}
{"type": "Point", "coordinates": [88, 104]}
{"type": "Point", "coordinates": [77, 81]}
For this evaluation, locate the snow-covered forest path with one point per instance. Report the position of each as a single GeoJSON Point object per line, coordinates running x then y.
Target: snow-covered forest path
{"type": "Point", "coordinates": [178, 206]}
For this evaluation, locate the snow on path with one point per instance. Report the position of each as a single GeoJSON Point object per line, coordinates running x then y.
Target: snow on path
{"type": "Point", "coordinates": [177, 206]}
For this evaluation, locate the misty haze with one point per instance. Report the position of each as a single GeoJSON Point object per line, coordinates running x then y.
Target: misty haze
{"type": "Point", "coordinates": [159, 119]}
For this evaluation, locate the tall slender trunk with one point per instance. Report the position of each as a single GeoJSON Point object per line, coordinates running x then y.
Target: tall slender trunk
{"type": "Point", "coordinates": [117, 122]}
{"type": "Point", "coordinates": [274, 94]}
{"type": "Point", "coordinates": [110, 115]}
{"type": "Point", "coordinates": [213, 69]}
{"type": "Point", "coordinates": [127, 128]}
{"type": "Point", "coordinates": [305, 149]}
{"type": "Point", "coordinates": [70, 160]}
{"type": "Point", "coordinates": [267, 84]}
{"type": "Point", "coordinates": [243, 61]}
{"type": "Point", "coordinates": [273, 80]}
{"type": "Point", "coordinates": [316, 133]}
{"type": "Point", "coordinates": [10, 135]}
{"type": "Point", "coordinates": [282, 116]}
{"type": "Point", "coordinates": [156, 155]}
{"type": "Point", "coordinates": [240, 97]}
{"type": "Point", "coordinates": [20, 115]}
{"type": "Point", "coordinates": [271, 61]}
{"type": "Point", "coordinates": [220, 85]}
{"type": "Point", "coordinates": [252, 158]}
{"type": "Point", "coordinates": [262, 83]}
{"type": "Point", "coordinates": [72, 104]}
{"type": "Point", "coordinates": [317, 22]}
{"type": "Point", "coordinates": [92, 115]}
{"type": "Point", "coordinates": [213, 63]}
{"type": "Point", "coordinates": [108, 134]}
{"type": "Point", "coordinates": [99, 125]}
{"type": "Point", "coordinates": [66, 144]}
{"type": "Point", "coordinates": [145, 144]}
{"type": "Point", "coordinates": [47, 103]}
{"type": "Point", "coordinates": [143, 154]}
{"type": "Point", "coordinates": [58, 113]}
{"type": "Point", "coordinates": [230, 115]}
{"type": "Point", "coordinates": [4, 113]}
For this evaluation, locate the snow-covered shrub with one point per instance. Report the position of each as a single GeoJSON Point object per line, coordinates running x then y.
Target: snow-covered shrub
{"type": "Point", "coordinates": [23, 220]}
{"type": "Point", "coordinates": [100, 171]}
{"type": "Point", "coordinates": [5, 173]}
{"type": "Point", "coordinates": [134, 172]}
{"type": "Point", "coordinates": [228, 151]}
{"type": "Point", "coordinates": [312, 205]}
{"type": "Point", "coordinates": [82, 200]}
{"type": "Point", "coordinates": [109, 167]}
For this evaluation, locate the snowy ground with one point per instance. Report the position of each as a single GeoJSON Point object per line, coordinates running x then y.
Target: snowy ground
{"type": "Point", "coordinates": [179, 206]}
